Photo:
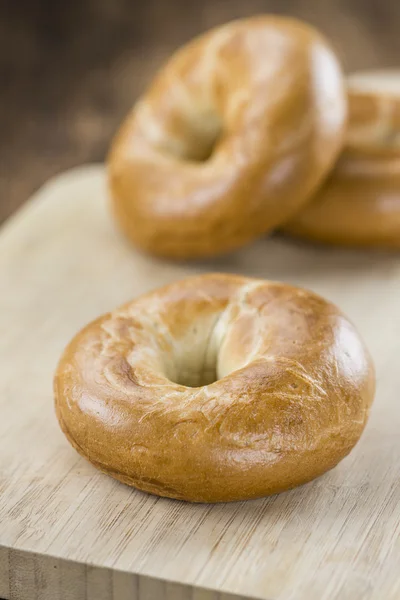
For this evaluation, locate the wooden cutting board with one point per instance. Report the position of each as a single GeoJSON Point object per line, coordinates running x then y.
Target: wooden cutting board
{"type": "Point", "coordinates": [68, 532]}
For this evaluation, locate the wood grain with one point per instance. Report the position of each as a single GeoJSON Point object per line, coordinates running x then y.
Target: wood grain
{"type": "Point", "coordinates": [70, 71]}
{"type": "Point", "coordinates": [40, 577]}
{"type": "Point", "coordinates": [61, 264]}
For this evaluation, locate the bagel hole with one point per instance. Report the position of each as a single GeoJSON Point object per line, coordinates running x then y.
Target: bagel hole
{"type": "Point", "coordinates": [203, 151]}
{"type": "Point", "coordinates": [200, 136]}
{"type": "Point", "coordinates": [193, 368]}
{"type": "Point", "coordinates": [192, 379]}
{"type": "Point", "coordinates": [204, 131]}
{"type": "Point", "coordinates": [195, 358]}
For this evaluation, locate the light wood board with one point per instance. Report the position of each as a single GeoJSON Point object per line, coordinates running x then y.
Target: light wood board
{"type": "Point", "coordinates": [63, 263]}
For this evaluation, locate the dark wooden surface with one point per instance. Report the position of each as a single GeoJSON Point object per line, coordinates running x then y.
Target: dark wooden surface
{"type": "Point", "coordinates": [69, 71]}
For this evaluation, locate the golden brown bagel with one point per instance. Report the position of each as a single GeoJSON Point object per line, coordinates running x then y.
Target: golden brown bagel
{"type": "Point", "coordinates": [360, 202]}
{"type": "Point", "coordinates": [232, 137]}
{"type": "Point", "coordinates": [216, 388]}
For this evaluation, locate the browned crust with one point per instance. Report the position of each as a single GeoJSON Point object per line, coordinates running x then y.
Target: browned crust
{"type": "Point", "coordinates": [359, 205]}
{"type": "Point", "coordinates": [294, 395]}
{"type": "Point", "coordinates": [270, 90]}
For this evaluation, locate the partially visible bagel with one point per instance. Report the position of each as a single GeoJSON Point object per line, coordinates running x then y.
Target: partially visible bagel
{"type": "Point", "coordinates": [359, 205]}
{"type": "Point", "coordinates": [216, 388]}
{"type": "Point", "coordinates": [233, 136]}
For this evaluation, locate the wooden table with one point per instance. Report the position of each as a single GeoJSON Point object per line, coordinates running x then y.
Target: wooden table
{"type": "Point", "coordinates": [68, 532]}
{"type": "Point", "coordinates": [69, 71]}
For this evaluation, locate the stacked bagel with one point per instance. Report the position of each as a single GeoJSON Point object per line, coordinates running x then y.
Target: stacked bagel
{"type": "Point", "coordinates": [359, 204]}
{"type": "Point", "coordinates": [220, 387]}
{"type": "Point", "coordinates": [252, 127]}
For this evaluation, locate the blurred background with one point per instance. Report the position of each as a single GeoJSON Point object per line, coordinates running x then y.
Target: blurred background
{"type": "Point", "coordinates": [70, 71]}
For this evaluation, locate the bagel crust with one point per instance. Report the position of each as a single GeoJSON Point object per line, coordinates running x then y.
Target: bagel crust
{"type": "Point", "coordinates": [359, 205]}
{"type": "Point", "coordinates": [233, 136]}
{"type": "Point", "coordinates": [216, 388]}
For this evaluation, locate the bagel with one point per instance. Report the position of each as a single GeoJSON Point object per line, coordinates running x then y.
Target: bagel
{"type": "Point", "coordinates": [359, 205]}
{"type": "Point", "coordinates": [232, 138]}
{"type": "Point", "coordinates": [216, 388]}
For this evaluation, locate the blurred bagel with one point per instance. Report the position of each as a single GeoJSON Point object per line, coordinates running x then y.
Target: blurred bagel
{"type": "Point", "coordinates": [359, 204]}
{"type": "Point", "coordinates": [216, 388]}
{"type": "Point", "coordinates": [231, 139]}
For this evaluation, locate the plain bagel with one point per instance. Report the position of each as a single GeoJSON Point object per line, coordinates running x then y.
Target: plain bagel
{"type": "Point", "coordinates": [231, 139]}
{"type": "Point", "coordinates": [359, 204]}
{"type": "Point", "coordinates": [216, 388]}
